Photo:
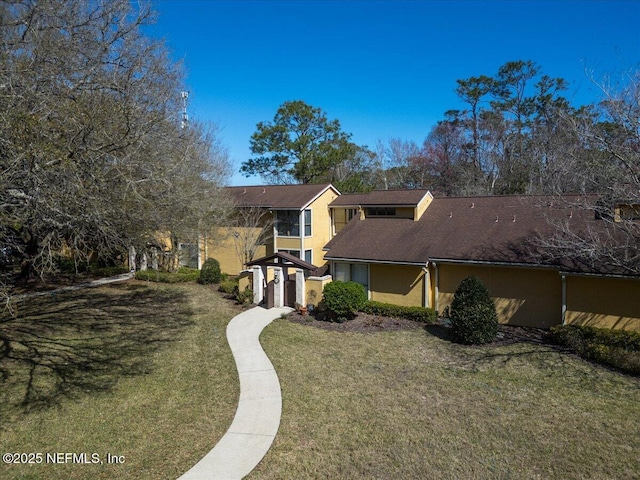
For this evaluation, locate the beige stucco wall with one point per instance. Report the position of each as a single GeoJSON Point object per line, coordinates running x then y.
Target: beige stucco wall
{"type": "Point", "coordinates": [396, 284]}
{"type": "Point", "coordinates": [523, 296]}
{"type": "Point", "coordinates": [603, 302]}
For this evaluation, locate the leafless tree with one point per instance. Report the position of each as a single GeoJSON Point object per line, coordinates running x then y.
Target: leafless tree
{"type": "Point", "coordinates": [251, 228]}
{"type": "Point", "coordinates": [607, 166]}
{"type": "Point", "coordinates": [93, 157]}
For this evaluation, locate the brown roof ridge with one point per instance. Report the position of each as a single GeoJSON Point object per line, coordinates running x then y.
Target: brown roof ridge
{"type": "Point", "coordinates": [264, 185]}
{"type": "Point", "coordinates": [518, 195]}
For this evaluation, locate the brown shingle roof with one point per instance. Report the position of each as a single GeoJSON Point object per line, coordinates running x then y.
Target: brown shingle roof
{"type": "Point", "coordinates": [380, 197]}
{"type": "Point", "coordinates": [484, 229]}
{"type": "Point", "coordinates": [277, 196]}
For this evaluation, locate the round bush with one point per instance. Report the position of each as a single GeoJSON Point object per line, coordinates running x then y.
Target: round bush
{"type": "Point", "coordinates": [344, 299]}
{"type": "Point", "coordinates": [210, 272]}
{"type": "Point", "coordinates": [473, 314]}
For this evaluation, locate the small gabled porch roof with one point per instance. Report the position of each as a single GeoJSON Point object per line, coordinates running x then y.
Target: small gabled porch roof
{"type": "Point", "coordinates": [282, 259]}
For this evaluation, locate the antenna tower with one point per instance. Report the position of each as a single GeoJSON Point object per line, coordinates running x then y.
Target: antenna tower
{"type": "Point", "coordinates": [185, 118]}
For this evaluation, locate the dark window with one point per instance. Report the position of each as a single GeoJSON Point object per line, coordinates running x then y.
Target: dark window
{"type": "Point", "coordinates": [381, 212]}
{"type": "Point", "coordinates": [288, 223]}
{"type": "Point", "coordinates": [307, 223]}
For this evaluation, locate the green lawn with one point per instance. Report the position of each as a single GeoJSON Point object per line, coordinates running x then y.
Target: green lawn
{"type": "Point", "coordinates": [409, 404]}
{"type": "Point", "coordinates": [143, 370]}
{"type": "Point", "coordinates": [139, 370]}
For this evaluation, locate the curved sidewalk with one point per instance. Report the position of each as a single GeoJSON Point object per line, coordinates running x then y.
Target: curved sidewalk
{"type": "Point", "coordinates": [257, 418]}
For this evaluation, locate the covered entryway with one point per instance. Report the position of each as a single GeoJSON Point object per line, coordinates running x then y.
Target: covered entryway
{"type": "Point", "coordinates": [281, 286]}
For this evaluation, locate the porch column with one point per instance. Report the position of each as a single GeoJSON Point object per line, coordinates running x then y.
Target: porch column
{"type": "Point", "coordinates": [564, 299]}
{"type": "Point", "coordinates": [132, 258]}
{"type": "Point", "coordinates": [300, 288]}
{"type": "Point", "coordinates": [278, 297]}
{"type": "Point", "coordinates": [154, 258]}
{"type": "Point", "coordinates": [258, 285]}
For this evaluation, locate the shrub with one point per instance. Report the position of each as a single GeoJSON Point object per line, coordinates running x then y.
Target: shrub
{"type": "Point", "coordinates": [229, 286]}
{"type": "Point", "coordinates": [108, 271]}
{"type": "Point", "coordinates": [473, 315]}
{"type": "Point", "coordinates": [183, 275]}
{"type": "Point", "coordinates": [344, 299]}
{"type": "Point", "coordinates": [245, 297]}
{"type": "Point", "coordinates": [210, 272]}
{"type": "Point", "coordinates": [615, 348]}
{"type": "Point", "coordinates": [418, 314]}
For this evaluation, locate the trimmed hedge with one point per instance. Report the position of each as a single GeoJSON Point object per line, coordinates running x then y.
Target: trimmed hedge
{"type": "Point", "coordinates": [344, 299]}
{"type": "Point", "coordinates": [474, 319]}
{"type": "Point", "coordinates": [183, 275]}
{"type": "Point", "coordinates": [418, 314]}
{"type": "Point", "coordinates": [619, 349]}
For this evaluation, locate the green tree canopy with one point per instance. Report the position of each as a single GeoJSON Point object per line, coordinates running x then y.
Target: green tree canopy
{"type": "Point", "coordinates": [300, 146]}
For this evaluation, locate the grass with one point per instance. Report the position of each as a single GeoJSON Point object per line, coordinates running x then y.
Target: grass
{"type": "Point", "coordinates": [410, 404]}
{"type": "Point", "coordinates": [139, 370]}
{"type": "Point", "coordinates": [143, 370]}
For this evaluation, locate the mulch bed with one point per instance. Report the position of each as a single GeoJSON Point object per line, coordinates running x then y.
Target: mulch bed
{"type": "Point", "coordinates": [365, 323]}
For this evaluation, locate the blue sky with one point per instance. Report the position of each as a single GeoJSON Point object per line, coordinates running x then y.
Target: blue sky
{"type": "Point", "coordinates": [384, 69]}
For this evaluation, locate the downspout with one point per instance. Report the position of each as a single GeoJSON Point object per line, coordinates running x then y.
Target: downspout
{"type": "Point", "coordinates": [301, 230]}
{"type": "Point", "coordinates": [437, 287]}
{"type": "Point", "coordinates": [427, 285]}
{"type": "Point", "coordinates": [564, 299]}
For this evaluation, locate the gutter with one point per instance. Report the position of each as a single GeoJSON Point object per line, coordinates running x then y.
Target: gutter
{"type": "Point", "coordinates": [383, 262]}
{"type": "Point", "coordinates": [493, 264]}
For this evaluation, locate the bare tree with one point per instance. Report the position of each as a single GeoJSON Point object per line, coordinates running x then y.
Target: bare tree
{"type": "Point", "coordinates": [93, 158]}
{"type": "Point", "coordinates": [251, 228]}
{"type": "Point", "coordinates": [607, 166]}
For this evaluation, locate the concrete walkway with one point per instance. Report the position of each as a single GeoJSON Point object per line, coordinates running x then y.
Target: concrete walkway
{"type": "Point", "coordinates": [257, 418]}
{"type": "Point", "coordinates": [93, 283]}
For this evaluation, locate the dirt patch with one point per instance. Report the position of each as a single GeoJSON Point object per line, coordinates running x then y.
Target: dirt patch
{"type": "Point", "coordinates": [362, 323]}
{"type": "Point", "coordinates": [366, 323]}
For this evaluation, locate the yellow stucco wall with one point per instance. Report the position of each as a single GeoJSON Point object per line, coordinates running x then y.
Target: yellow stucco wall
{"type": "Point", "coordinates": [221, 246]}
{"type": "Point", "coordinates": [320, 226]}
{"type": "Point", "coordinates": [340, 218]}
{"type": "Point", "coordinates": [288, 243]}
{"type": "Point", "coordinates": [396, 284]}
{"type": "Point", "coordinates": [603, 302]}
{"type": "Point", "coordinates": [422, 206]}
{"type": "Point", "coordinates": [314, 287]}
{"type": "Point", "coordinates": [523, 297]}
{"type": "Point", "coordinates": [320, 230]}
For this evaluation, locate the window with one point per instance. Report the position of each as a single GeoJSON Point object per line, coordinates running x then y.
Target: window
{"type": "Point", "coordinates": [350, 213]}
{"type": "Point", "coordinates": [288, 223]}
{"type": "Point", "coordinates": [307, 223]}
{"type": "Point", "coordinates": [308, 257]}
{"type": "Point", "coordinates": [295, 253]}
{"type": "Point", "coordinates": [352, 272]}
{"type": "Point", "coordinates": [381, 212]}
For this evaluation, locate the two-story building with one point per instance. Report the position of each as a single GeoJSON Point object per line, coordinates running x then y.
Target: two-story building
{"type": "Point", "coordinates": [297, 218]}
{"type": "Point", "coordinates": [409, 248]}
